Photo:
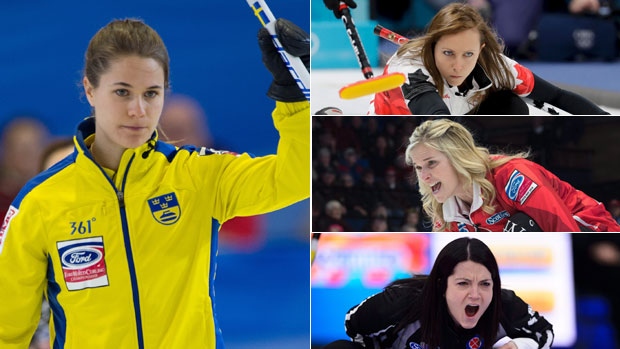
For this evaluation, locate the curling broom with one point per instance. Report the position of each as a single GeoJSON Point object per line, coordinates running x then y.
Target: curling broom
{"type": "Point", "coordinates": [372, 84]}
{"type": "Point", "coordinates": [390, 35]}
{"type": "Point", "coordinates": [294, 64]}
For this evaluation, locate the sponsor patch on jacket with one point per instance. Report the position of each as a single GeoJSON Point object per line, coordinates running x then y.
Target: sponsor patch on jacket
{"type": "Point", "coordinates": [10, 213]}
{"type": "Point", "coordinates": [165, 208]}
{"type": "Point", "coordinates": [83, 263]}
{"type": "Point", "coordinates": [462, 227]}
{"type": "Point", "coordinates": [497, 217]}
{"type": "Point", "coordinates": [519, 187]}
{"type": "Point", "coordinates": [475, 343]}
{"type": "Point", "coordinates": [413, 345]}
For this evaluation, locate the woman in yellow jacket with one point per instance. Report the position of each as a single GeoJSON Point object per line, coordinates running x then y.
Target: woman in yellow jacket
{"type": "Point", "coordinates": [118, 235]}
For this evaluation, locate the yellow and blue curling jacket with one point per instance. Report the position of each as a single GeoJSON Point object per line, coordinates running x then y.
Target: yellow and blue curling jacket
{"type": "Point", "coordinates": [127, 260]}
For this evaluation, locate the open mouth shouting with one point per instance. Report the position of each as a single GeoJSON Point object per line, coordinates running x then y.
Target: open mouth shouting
{"type": "Point", "coordinates": [435, 187]}
{"type": "Point", "coordinates": [471, 310]}
{"type": "Point", "coordinates": [469, 293]}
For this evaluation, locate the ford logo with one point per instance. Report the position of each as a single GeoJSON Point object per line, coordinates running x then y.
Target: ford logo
{"type": "Point", "coordinates": [514, 187]}
{"type": "Point", "coordinates": [81, 257]}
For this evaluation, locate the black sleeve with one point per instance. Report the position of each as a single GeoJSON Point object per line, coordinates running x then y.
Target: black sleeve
{"type": "Point", "coordinates": [428, 103]}
{"type": "Point", "coordinates": [519, 320]}
{"type": "Point", "coordinates": [566, 100]}
{"type": "Point", "coordinates": [422, 95]}
{"type": "Point", "coordinates": [377, 315]}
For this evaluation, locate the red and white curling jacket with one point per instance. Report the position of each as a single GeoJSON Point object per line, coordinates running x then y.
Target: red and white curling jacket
{"type": "Point", "coordinates": [418, 81]}
{"type": "Point", "coordinates": [524, 186]}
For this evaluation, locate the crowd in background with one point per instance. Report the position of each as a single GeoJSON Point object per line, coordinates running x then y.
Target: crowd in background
{"type": "Point", "coordinates": [360, 179]}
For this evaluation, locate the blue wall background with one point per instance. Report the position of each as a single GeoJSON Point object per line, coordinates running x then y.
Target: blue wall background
{"type": "Point", "coordinates": [214, 58]}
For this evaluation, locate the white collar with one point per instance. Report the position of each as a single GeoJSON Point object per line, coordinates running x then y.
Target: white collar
{"type": "Point", "coordinates": [453, 207]}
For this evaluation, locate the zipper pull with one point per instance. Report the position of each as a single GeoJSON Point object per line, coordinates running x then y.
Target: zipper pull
{"type": "Point", "coordinates": [121, 198]}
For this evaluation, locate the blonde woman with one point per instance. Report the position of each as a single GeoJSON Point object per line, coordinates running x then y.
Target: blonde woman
{"type": "Point", "coordinates": [465, 188]}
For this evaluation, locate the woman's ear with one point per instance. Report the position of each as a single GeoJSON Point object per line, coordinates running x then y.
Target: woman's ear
{"type": "Point", "coordinates": [89, 91]}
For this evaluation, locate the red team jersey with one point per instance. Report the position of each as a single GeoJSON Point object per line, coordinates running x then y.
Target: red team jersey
{"type": "Point", "coordinates": [525, 186]}
{"type": "Point", "coordinates": [396, 101]}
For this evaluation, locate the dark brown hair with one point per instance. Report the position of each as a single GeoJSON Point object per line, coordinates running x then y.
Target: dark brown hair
{"type": "Point", "coordinates": [121, 38]}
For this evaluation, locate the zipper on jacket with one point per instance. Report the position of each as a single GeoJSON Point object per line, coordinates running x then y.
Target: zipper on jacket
{"type": "Point", "coordinates": [120, 194]}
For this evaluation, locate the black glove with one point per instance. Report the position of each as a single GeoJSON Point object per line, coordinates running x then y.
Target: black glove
{"type": "Point", "coordinates": [295, 41]}
{"type": "Point", "coordinates": [335, 4]}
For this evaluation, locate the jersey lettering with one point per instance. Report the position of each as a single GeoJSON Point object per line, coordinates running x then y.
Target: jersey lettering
{"type": "Point", "coordinates": [513, 227]}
